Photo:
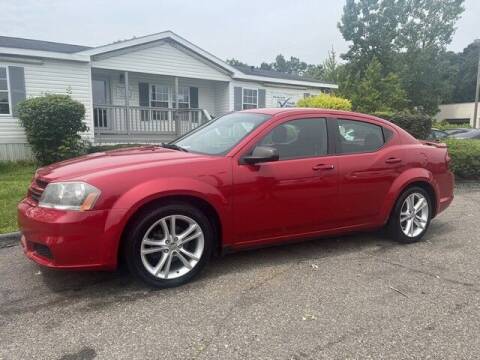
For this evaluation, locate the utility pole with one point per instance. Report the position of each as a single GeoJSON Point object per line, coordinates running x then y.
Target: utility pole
{"type": "Point", "coordinates": [475, 111]}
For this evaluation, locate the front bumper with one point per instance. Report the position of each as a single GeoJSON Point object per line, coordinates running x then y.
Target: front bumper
{"type": "Point", "coordinates": [68, 239]}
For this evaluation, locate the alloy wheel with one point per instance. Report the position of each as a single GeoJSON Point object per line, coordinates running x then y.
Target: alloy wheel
{"type": "Point", "coordinates": [414, 215]}
{"type": "Point", "coordinates": [172, 246]}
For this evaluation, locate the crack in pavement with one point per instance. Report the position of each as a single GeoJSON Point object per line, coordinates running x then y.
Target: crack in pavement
{"type": "Point", "coordinates": [222, 323]}
{"type": "Point", "coordinates": [469, 285]}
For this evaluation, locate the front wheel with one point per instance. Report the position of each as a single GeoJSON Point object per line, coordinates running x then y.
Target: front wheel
{"type": "Point", "coordinates": [168, 246]}
{"type": "Point", "coordinates": [411, 216]}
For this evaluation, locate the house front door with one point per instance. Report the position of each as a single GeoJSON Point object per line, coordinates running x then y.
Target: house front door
{"type": "Point", "coordinates": [100, 99]}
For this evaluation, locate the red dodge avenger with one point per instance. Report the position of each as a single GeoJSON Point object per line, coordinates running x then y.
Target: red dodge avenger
{"type": "Point", "coordinates": [247, 179]}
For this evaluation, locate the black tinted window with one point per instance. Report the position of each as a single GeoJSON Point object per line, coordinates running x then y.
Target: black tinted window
{"type": "Point", "coordinates": [358, 136]}
{"type": "Point", "coordinates": [298, 138]}
{"type": "Point", "coordinates": [387, 134]}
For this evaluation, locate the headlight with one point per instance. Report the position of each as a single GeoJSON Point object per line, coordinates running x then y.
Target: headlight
{"type": "Point", "coordinates": [69, 196]}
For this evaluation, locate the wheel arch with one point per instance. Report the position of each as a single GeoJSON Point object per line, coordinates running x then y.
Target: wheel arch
{"type": "Point", "coordinates": [414, 177]}
{"type": "Point", "coordinates": [162, 200]}
{"type": "Point", "coordinates": [156, 191]}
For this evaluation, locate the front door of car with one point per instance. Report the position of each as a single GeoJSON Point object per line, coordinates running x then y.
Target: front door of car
{"type": "Point", "coordinates": [367, 166]}
{"type": "Point", "coordinates": [294, 195]}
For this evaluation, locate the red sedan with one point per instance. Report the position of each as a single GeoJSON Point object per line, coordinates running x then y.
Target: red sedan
{"type": "Point", "coordinates": [248, 179]}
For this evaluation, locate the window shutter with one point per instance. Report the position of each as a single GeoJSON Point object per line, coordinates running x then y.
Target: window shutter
{"type": "Point", "coordinates": [143, 94]}
{"type": "Point", "coordinates": [194, 97]}
{"type": "Point", "coordinates": [237, 98]}
{"type": "Point", "coordinates": [16, 86]}
{"type": "Point", "coordinates": [144, 100]}
{"type": "Point", "coordinates": [261, 98]}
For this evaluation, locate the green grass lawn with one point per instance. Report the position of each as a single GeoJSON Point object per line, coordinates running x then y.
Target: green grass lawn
{"type": "Point", "coordinates": [14, 181]}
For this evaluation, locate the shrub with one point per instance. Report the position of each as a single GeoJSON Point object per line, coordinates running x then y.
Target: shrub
{"type": "Point", "coordinates": [325, 101]}
{"type": "Point", "coordinates": [416, 123]}
{"type": "Point", "coordinates": [52, 124]}
{"type": "Point", "coordinates": [465, 156]}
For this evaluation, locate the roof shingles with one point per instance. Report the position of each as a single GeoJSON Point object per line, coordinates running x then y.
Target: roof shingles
{"type": "Point", "coordinates": [29, 44]}
{"type": "Point", "coordinates": [250, 70]}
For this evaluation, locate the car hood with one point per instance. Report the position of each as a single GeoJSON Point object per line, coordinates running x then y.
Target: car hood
{"type": "Point", "coordinates": [88, 165]}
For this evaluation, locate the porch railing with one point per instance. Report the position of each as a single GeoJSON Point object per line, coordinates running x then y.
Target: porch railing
{"type": "Point", "coordinates": [137, 120]}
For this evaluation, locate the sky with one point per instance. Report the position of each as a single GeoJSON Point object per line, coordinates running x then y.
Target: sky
{"type": "Point", "coordinates": [251, 31]}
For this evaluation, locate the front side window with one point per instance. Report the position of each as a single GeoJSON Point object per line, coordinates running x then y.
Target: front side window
{"type": "Point", "coordinates": [4, 103]}
{"type": "Point", "coordinates": [358, 136]}
{"type": "Point", "coordinates": [219, 136]}
{"type": "Point", "coordinates": [298, 138]}
{"type": "Point", "coordinates": [250, 99]}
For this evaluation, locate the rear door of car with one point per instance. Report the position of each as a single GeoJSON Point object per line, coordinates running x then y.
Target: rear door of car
{"type": "Point", "coordinates": [368, 163]}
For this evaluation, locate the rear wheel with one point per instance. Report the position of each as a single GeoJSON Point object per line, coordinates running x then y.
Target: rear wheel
{"type": "Point", "coordinates": [170, 245]}
{"type": "Point", "coordinates": [411, 216]}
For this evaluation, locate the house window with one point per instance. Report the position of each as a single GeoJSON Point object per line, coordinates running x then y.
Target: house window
{"type": "Point", "coordinates": [4, 103]}
{"type": "Point", "coordinates": [160, 96]}
{"type": "Point", "coordinates": [250, 99]}
{"type": "Point", "coordinates": [183, 97]}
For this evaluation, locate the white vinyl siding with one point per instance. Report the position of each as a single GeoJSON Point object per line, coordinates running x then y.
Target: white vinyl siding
{"type": "Point", "coordinates": [273, 94]}
{"type": "Point", "coordinates": [53, 77]}
{"type": "Point", "coordinates": [163, 58]}
{"type": "Point", "coordinates": [222, 98]}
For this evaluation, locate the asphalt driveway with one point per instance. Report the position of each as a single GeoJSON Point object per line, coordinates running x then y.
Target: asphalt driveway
{"type": "Point", "coordinates": [359, 296]}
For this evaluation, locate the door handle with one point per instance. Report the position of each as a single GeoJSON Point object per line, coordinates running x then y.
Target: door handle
{"type": "Point", "coordinates": [323, 167]}
{"type": "Point", "coordinates": [393, 160]}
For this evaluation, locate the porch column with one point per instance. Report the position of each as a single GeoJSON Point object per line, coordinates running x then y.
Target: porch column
{"type": "Point", "coordinates": [177, 118]}
{"type": "Point", "coordinates": [127, 115]}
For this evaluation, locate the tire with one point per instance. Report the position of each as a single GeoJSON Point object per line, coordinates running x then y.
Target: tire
{"type": "Point", "coordinates": [150, 242]}
{"type": "Point", "coordinates": [402, 216]}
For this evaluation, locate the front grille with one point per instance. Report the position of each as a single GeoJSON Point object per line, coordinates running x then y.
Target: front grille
{"type": "Point", "coordinates": [36, 189]}
{"type": "Point", "coordinates": [42, 250]}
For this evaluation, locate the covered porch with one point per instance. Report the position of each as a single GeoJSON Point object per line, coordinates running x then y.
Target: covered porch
{"type": "Point", "coordinates": [133, 107]}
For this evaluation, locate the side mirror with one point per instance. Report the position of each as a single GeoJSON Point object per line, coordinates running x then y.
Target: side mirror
{"type": "Point", "coordinates": [261, 154]}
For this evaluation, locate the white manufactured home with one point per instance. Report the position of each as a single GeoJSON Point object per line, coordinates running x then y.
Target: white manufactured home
{"type": "Point", "coordinates": [143, 90]}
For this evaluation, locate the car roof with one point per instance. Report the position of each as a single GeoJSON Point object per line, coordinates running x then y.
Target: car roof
{"type": "Point", "coordinates": [320, 111]}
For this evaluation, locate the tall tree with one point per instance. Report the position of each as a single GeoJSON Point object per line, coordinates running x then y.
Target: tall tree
{"type": "Point", "coordinates": [266, 66]}
{"type": "Point", "coordinates": [315, 72]}
{"type": "Point", "coordinates": [236, 62]}
{"type": "Point", "coordinates": [372, 28]}
{"type": "Point", "coordinates": [408, 37]}
{"type": "Point", "coordinates": [292, 66]}
{"type": "Point", "coordinates": [466, 76]}
{"type": "Point", "coordinates": [374, 92]}
{"type": "Point", "coordinates": [331, 67]}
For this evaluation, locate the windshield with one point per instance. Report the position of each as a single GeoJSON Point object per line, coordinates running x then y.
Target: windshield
{"type": "Point", "coordinates": [219, 136]}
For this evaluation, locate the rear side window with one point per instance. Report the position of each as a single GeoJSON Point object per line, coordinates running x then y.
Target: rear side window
{"type": "Point", "coordinates": [357, 137]}
{"type": "Point", "coordinates": [298, 138]}
{"type": "Point", "coordinates": [387, 134]}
